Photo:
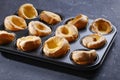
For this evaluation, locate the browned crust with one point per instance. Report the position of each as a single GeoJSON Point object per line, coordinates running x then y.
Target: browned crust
{"type": "Point", "coordinates": [9, 25]}
{"type": "Point", "coordinates": [83, 57]}
{"type": "Point", "coordinates": [72, 34]}
{"type": "Point", "coordinates": [6, 37]}
{"type": "Point", "coordinates": [80, 21]}
{"type": "Point", "coordinates": [28, 45]}
{"type": "Point", "coordinates": [33, 30]}
{"type": "Point", "coordinates": [50, 17]}
{"type": "Point", "coordinates": [90, 41]}
{"type": "Point", "coordinates": [22, 14]}
{"type": "Point", "coordinates": [60, 51]}
{"type": "Point", "coordinates": [95, 28]}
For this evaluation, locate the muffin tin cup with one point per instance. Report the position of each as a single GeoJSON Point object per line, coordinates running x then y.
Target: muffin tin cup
{"type": "Point", "coordinates": [76, 45]}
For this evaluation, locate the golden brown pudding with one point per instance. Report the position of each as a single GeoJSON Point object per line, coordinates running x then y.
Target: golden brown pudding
{"type": "Point", "coordinates": [68, 31]}
{"type": "Point", "coordinates": [38, 28]}
{"type": "Point", "coordinates": [6, 37]}
{"type": "Point", "coordinates": [101, 26]}
{"type": "Point", "coordinates": [94, 41]}
{"type": "Point", "coordinates": [28, 43]}
{"type": "Point", "coordinates": [27, 11]}
{"type": "Point", "coordinates": [55, 47]}
{"type": "Point", "coordinates": [80, 21]}
{"type": "Point", "coordinates": [83, 57]}
{"type": "Point", "coordinates": [14, 23]}
{"type": "Point", "coordinates": [50, 17]}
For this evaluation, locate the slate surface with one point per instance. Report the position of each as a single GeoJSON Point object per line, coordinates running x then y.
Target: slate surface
{"type": "Point", "coordinates": [18, 68]}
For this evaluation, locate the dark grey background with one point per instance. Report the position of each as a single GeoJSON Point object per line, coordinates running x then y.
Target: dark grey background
{"type": "Point", "coordinates": [18, 68]}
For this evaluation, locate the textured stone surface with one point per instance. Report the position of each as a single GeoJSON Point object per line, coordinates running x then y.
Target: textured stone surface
{"type": "Point", "coordinates": [15, 68]}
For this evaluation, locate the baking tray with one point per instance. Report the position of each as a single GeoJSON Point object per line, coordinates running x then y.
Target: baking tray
{"type": "Point", "coordinates": [66, 60]}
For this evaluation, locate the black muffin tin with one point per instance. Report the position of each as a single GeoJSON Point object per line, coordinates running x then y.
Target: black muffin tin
{"type": "Point", "coordinates": [76, 45]}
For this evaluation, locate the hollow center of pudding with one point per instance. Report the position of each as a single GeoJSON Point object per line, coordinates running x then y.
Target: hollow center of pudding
{"type": "Point", "coordinates": [95, 38]}
{"type": "Point", "coordinates": [29, 11]}
{"type": "Point", "coordinates": [41, 27]}
{"type": "Point", "coordinates": [65, 31]}
{"type": "Point", "coordinates": [52, 44]}
{"type": "Point", "coordinates": [17, 21]}
{"type": "Point", "coordinates": [102, 26]}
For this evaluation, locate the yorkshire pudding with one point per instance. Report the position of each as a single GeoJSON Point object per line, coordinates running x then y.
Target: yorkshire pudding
{"type": "Point", "coordinates": [6, 37]}
{"type": "Point", "coordinates": [80, 21]}
{"type": "Point", "coordinates": [14, 23]}
{"type": "Point", "coordinates": [56, 47]}
{"type": "Point", "coordinates": [94, 41]}
{"type": "Point", "coordinates": [101, 26]}
{"type": "Point", "coordinates": [27, 11]}
{"type": "Point", "coordinates": [38, 28]}
{"type": "Point", "coordinates": [82, 57]}
{"type": "Point", "coordinates": [68, 31]}
{"type": "Point", "coordinates": [50, 17]}
{"type": "Point", "coordinates": [28, 43]}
